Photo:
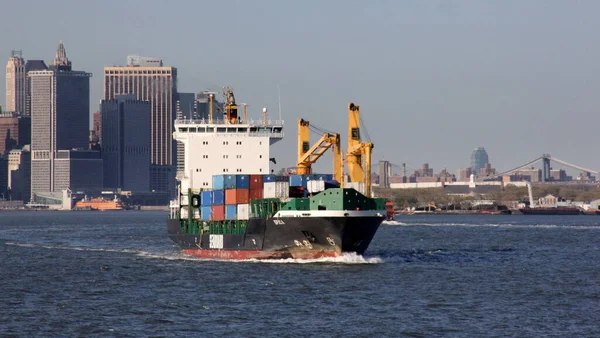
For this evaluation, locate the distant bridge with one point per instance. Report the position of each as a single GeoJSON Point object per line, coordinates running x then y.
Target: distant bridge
{"type": "Point", "coordinates": [545, 177]}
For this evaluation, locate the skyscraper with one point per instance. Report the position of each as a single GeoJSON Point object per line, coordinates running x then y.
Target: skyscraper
{"type": "Point", "coordinates": [149, 80]}
{"type": "Point", "coordinates": [31, 65]}
{"type": "Point", "coordinates": [16, 83]}
{"type": "Point", "coordinates": [126, 145]}
{"type": "Point", "coordinates": [60, 104]}
{"type": "Point", "coordinates": [479, 158]}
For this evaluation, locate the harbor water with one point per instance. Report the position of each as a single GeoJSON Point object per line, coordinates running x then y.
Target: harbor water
{"type": "Point", "coordinates": [117, 274]}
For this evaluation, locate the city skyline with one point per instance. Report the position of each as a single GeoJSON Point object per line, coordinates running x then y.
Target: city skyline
{"type": "Point", "coordinates": [463, 73]}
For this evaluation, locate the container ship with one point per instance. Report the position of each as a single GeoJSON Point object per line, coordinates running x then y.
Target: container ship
{"type": "Point", "coordinates": [231, 206]}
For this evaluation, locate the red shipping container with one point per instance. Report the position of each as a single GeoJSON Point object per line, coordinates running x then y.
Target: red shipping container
{"type": "Point", "coordinates": [237, 196]}
{"type": "Point", "coordinates": [218, 213]}
{"type": "Point", "coordinates": [256, 194]}
{"type": "Point", "coordinates": [256, 182]}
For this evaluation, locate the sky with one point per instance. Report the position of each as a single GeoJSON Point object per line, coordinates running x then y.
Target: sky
{"type": "Point", "coordinates": [434, 79]}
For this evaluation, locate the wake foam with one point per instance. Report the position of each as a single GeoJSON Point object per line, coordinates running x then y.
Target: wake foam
{"type": "Point", "coordinates": [346, 258]}
{"type": "Point", "coordinates": [74, 248]}
{"type": "Point", "coordinates": [393, 223]}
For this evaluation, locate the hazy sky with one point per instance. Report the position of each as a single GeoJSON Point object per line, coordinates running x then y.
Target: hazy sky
{"type": "Point", "coordinates": [434, 79]}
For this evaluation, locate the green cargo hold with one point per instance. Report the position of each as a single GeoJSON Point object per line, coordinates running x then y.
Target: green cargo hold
{"type": "Point", "coordinates": [297, 204]}
{"type": "Point", "coordinates": [341, 199]}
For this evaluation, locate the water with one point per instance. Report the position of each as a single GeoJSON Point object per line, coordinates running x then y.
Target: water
{"type": "Point", "coordinates": [116, 274]}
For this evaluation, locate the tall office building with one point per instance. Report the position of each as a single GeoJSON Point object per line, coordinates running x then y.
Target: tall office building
{"type": "Point", "coordinates": [16, 83]}
{"type": "Point", "coordinates": [31, 65]}
{"type": "Point", "coordinates": [149, 80]}
{"type": "Point", "coordinates": [19, 173]}
{"type": "Point", "coordinates": [60, 105]}
{"type": "Point", "coordinates": [126, 145]}
{"type": "Point", "coordinates": [479, 158]}
{"type": "Point", "coordinates": [15, 131]}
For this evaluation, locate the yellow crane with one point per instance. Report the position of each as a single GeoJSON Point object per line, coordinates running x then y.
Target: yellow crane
{"type": "Point", "coordinates": [308, 155]}
{"type": "Point", "coordinates": [357, 150]}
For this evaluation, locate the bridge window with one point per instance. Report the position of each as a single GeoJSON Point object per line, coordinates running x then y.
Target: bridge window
{"type": "Point", "coordinates": [221, 130]}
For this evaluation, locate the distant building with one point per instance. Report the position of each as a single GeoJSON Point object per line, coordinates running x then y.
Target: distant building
{"type": "Point", "coordinates": [15, 131]}
{"type": "Point", "coordinates": [149, 80]}
{"type": "Point", "coordinates": [96, 134]}
{"type": "Point", "coordinates": [531, 175]}
{"type": "Point", "coordinates": [126, 145]}
{"type": "Point", "coordinates": [19, 173]}
{"type": "Point", "coordinates": [60, 104]}
{"type": "Point", "coordinates": [203, 106]}
{"type": "Point", "coordinates": [479, 158]}
{"type": "Point", "coordinates": [559, 175]}
{"type": "Point", "coordinates": [16, 83]}
{"type": "Point", "coordinates": [425, 171]}
{"type": "Point", "coordinates": [487, 170]}
{"type": "Point", "coordinates": [385, 171]}
{"type": "Point", "coordinates": [4, 176]}
{"type": "Point", "coordinates": [464, 174]}
{"type": "Point", "coordinates": [186, 105]}
{"type": "Point", "coordinates": [31, 65]}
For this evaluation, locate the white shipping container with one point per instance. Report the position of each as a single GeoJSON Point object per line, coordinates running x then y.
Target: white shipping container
{"type": "Point", "coordinates": [196, 213]}
{"type": "Point", "coordinates": [184, 200]}
{"type": "Point", "coordinates": [243, 211]}
{"type": "Point", "coordinates": [269, 189]}
{"type": "Point", "coordinates": [184, 212]}
{"type": "Point", "coordinates": [358, 186]}
{"type": "Point", "coordinates": [316, 186]}
{"type": "Point", "coordinates": [282, 189]}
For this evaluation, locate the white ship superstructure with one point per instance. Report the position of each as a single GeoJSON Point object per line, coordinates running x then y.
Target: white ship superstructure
{"type": "Point", "coordinates": [224, 147]}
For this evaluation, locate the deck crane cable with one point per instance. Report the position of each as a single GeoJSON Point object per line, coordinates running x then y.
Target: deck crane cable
{"type": "Point", "coordinates": [364, 127]}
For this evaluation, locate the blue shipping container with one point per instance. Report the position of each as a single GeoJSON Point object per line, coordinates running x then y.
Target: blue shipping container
{"type": "Point", "coordinates": [218, 197]}
{"type": "Point", "coordinates": [206, 198]}
{"type": "Point", "coordinates": [229, 182]}
{"type": "Point", "coordinates": [205, 213]}
{"type": "Point", "coordinates": [242, 181]}
{"type": "Point", "coordinates": [218, 182]}
{"type": "Point", "coordinates": [297, 181]}
{"type": "Point", "coordinates": [268, 178]}
{"type": "Point", "coordinates": [231, 212]}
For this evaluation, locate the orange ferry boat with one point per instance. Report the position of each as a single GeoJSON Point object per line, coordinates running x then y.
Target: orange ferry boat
{"type": "Point", "coordinates": [100, 204]}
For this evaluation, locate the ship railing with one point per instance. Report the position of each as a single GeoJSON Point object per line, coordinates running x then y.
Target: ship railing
{"type": "Point", "coordinates": [227, 122]}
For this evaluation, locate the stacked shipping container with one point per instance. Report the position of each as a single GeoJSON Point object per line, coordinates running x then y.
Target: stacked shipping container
{"type": "Point", "coordinates": [229, 200]}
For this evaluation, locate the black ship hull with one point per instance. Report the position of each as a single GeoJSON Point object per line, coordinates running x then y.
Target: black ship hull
{"type": "Point", "coordinates": [285, 237]}
{"type": "Point", "coordinates": [550, 211]}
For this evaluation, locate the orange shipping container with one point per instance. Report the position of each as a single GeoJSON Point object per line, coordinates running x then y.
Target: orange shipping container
{"type": "Point", "coordinates": [218, 213]}
{"type": "Point", "coordinates": [237, 196]}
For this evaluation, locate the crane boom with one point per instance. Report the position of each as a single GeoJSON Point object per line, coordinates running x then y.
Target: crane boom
{"type": "Point", "coordinates": [356, 150]}
{"type": "Point", "coordinates": [308, 155]}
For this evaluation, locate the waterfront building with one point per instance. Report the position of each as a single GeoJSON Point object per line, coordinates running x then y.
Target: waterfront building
{"type": "Point", "coordinates": [126, 145]}
{"type": "Point", "coordinates": [479, 158]}
{"type": "Point", "coordinates": [60, 103]}
{"type": "Point", "coordinates": [19, 173]}
{"type": "Point", "coordinates": [149, 80]}
{"type": "Point", "coordinates": [15, 131]}
{"type": "Point", "coordinates": [16, 83]}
